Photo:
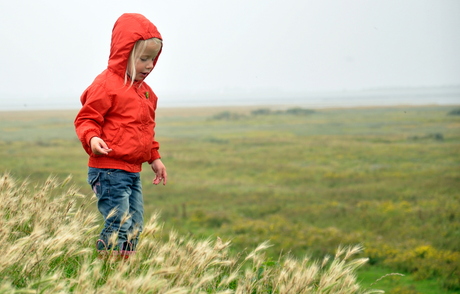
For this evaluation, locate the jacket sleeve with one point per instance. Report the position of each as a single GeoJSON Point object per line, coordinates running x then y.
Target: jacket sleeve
{"type": "Point", "coordinates": [155, 153]}
{"type": "Point", "coordinates": [90, 119]}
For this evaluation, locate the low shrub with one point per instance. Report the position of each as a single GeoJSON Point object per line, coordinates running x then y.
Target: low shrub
{"type": "Point", "coordinates": [454, 112]}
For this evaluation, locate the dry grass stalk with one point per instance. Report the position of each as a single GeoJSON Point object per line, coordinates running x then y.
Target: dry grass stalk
{"type": "Point", "coordinates": [48, 246]}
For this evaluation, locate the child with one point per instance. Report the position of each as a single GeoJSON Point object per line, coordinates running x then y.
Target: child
{"type": "Point", "coordinates": [116, 128]}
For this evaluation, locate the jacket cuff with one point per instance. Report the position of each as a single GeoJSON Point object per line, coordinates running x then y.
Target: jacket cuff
{"type": "Point", "coordinates": [90, 135]}
{"type": "Point", "coordinates": [155, 155]}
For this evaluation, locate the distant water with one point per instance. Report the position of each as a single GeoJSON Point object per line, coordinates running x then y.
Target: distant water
{"type": "Point", "coordinates": [327, 100]}
{"type": "Point", "coordinates": [383, 97]}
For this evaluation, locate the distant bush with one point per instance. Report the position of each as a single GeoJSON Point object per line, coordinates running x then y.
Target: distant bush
{"type": "Point", "coordinates": [290, 111]}
{"type": "Point", "coordinates": [261, 111]}
{"type": "Point", "coordinates": [434, 136]}
{"type": "Point", "coordinates": [299, 111]}
{"type": "Point", "coordinates": [454, 112]}
{"type": "Point", "coordinates": [227, 115]}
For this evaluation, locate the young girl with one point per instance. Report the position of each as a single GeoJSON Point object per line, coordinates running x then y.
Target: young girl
{"type": "Point", "coordinates": [116, 128]}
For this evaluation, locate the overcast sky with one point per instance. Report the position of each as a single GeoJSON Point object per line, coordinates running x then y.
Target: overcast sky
{"type": "Point", "coordinates": [52, 50]}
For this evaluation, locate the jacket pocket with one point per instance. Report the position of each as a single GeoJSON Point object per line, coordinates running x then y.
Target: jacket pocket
{"type": "Point", "coordinates": [130, 146]}
{"type": "Point", "coordinates": [118, 136]}
{"type": "Point", "coordinates": [93, 181]}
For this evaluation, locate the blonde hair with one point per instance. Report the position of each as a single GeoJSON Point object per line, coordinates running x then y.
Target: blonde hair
{"type": "Point", "coordinates": [137, 51]}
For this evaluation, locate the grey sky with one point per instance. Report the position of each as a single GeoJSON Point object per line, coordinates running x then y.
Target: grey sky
{"type": "Point", "coordinates": [51, 50]}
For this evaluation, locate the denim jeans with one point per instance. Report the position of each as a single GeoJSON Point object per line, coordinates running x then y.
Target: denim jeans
{"type": "Point", "coordinates": [122, 191]}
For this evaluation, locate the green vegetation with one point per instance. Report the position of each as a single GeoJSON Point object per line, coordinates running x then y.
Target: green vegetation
{"type": "Point", "coordinates": [386, 178]}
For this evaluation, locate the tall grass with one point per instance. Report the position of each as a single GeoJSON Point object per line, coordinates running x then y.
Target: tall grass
{"type": "Point", "coordinates": [48, 234]}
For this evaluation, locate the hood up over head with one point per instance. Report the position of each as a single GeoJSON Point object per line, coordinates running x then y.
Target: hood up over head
{"type": "Point", "coordinates": [128, 29]}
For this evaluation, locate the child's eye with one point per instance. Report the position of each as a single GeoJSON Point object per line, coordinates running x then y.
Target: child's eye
{"type": "Point", "coordinates": [143, 59]}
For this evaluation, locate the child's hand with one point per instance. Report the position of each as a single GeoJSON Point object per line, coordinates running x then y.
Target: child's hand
{"type": "Point", "coordinates": [99, 147]}
{"type": "Point", "coordinates": [160, 172]}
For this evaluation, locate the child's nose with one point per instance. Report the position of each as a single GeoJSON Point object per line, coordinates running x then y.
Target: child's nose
{"type": "Point", "coordinates": [150, 64]}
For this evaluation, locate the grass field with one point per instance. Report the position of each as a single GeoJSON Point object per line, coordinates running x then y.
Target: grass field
{"type": "Point", "coordinates": [308, 181]}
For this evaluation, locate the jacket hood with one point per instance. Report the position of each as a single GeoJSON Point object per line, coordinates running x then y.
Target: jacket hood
{"type": "Point", "coordinates": [128, 29]}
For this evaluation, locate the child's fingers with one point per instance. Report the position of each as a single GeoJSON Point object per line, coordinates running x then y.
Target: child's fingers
{"type": "Point", "coordinates": [158, 179]}
{"type": "Point", "coordinates": [99, 147]}
{"type": "Point", "coordinates": [163, 176]}
{"type": "Point", "coordinates": [160, 172]}
{"type": "Point", "coordinates": [103, 145]}
{"type": "Point", "coordinates": [102, 150]}
{"type": "Point", "coordinates": [105, 151]}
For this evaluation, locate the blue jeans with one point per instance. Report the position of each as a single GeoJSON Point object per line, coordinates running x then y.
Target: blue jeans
{"type": "Point", "coordinates": [122, 191]}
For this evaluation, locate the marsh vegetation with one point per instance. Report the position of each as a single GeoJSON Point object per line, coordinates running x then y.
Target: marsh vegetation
{"type": "Point", "coordinates": [308, 181]}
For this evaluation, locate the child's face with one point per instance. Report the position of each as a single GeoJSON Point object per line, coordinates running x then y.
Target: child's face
{"type": "Point", "coordinates": [144, 63]}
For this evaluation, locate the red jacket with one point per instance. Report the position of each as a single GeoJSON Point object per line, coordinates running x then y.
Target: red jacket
{"type": "Point", "coordinates": [123, 116]}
